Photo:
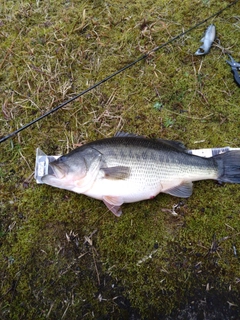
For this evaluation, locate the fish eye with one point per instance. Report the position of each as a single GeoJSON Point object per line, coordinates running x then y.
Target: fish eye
{"type": "Point", "coordinates": [62, 159]}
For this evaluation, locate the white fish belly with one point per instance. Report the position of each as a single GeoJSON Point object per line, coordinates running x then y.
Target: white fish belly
{"type": "Point", "coordinates": [128, 191]}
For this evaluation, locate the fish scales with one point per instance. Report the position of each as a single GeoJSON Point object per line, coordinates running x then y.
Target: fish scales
{"type": "Point", "coordinates": [147, 157]}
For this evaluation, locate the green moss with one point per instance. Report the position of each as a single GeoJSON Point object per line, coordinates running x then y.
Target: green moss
{"type": "Point", "coordinates": [64, 255]}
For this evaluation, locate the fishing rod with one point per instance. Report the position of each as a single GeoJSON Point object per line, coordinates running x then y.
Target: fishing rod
{"type": "Point", "coordinates": [115, 73]}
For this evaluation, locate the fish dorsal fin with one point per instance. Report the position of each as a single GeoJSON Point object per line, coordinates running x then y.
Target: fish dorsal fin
{"type": "Point", "coordinates": [175, 144]}
{"type": "Point", "coordinates": [116, 173]}
{"type": "Point", "coordinates": [172, 143]}
{"type": "Point", "coordinates": [127, 134]}
{"type": "Point", "coordinates": [183, 190]}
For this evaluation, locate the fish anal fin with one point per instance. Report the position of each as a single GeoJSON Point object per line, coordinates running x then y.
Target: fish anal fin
{"type": "Point", "coordinates": [183, 190]}
{"type": "Point", "coordinates": [113, 204]}
{"type": "Point", "coordinates": [116, 173]}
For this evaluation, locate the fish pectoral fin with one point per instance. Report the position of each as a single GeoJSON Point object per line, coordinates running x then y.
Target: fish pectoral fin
{"type": "Point", "coordinates": [113, 204]}
{"type": "Point", "coordinates": [183, 190]}
{"type": "Point", "coordinates": [116, 173]}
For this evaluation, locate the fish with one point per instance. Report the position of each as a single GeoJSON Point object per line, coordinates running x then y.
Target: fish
{"type": "Point", "coordinates": [128, 168]}
{"type": "Point", "coordinates": [207, 40]}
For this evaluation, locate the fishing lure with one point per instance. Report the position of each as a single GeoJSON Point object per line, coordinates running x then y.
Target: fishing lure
{"type": "Point", "coordinates": [207, 40]}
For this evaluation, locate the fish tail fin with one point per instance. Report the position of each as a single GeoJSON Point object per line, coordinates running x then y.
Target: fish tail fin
{"type": "Point", "coordinates": [229, 166]}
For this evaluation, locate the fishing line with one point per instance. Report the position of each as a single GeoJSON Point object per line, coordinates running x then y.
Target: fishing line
{"type": "Point", "coordinates": [116, 73]}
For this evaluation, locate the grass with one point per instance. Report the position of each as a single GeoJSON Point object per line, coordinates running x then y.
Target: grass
{"type": "Point", "coordinates": [64, 255]}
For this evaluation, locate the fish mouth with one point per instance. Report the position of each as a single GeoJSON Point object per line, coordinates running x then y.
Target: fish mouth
{"type": "Point", "coordinates": [57, 170]}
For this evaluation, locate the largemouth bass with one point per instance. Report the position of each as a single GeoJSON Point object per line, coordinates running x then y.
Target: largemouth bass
{"type": "Point", "coordinates": [128, 168]}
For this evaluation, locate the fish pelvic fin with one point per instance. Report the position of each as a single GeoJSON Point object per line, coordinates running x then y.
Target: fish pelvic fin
{"type": "Point", "coordinates": [113, 204]}
{"type": "Point", "coordinates": [228, 166]}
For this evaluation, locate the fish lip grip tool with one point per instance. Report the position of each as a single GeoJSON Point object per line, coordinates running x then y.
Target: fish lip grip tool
{"type": "Point", "coordinates": [235, 68]}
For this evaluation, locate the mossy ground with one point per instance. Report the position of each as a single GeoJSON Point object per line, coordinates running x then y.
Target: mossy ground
{"type": "Point", "coordinates": [65, 256]}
